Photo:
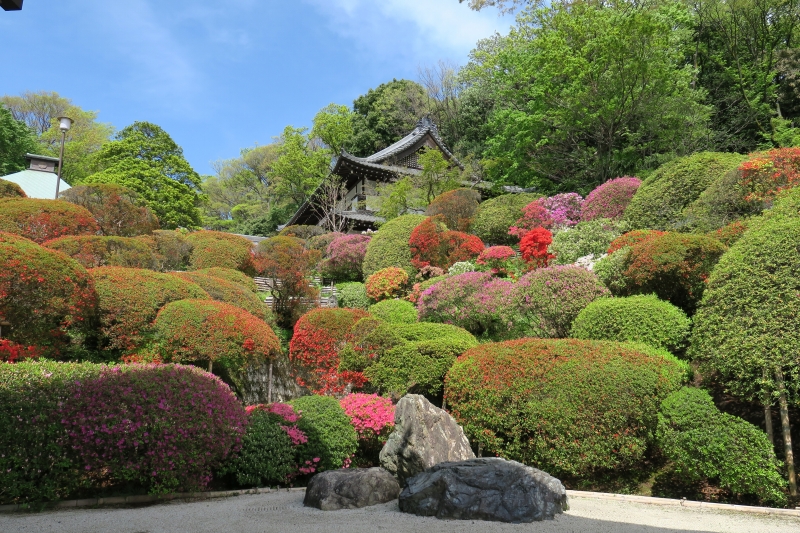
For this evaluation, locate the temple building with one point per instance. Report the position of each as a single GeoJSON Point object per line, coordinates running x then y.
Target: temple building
{"type": "Point", "coordinates": [361, 175]}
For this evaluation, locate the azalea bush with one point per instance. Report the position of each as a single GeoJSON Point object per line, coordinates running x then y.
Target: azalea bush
{"type": "Point", "coordinates": [389, 247]}
{"type": "Point", "coordinates": [43, 220]}
{"type": "Point", "coordinates": [419, 288]}
{"type": "Point", "coordinates": [494, 217]}
{"type": "Point", "coordinates": [534, 215]}
{"type": "Point", "coordinates": [11, 352]}
{"type": "Point", "coordinates": [766, 174]}
{"type": "Point", "coordinates": [231, 275]}
{"type": "Point", "coordinates": [345, 254]}
{"type": "Point", "coordinates": [610, 199]}
{"type": "Point", "coordinates": [171, 250]}
{"type": "Point", "coordinates": [731, 233]}
{"type": "Point", "coordinates": [564, 209]}
{"type": "Point", "coordinates": [585, 238]}
{"type": "Point", "coordinates": [218, 249]}
{"type": "Point", "coordinates": [432, 245]}
{"type": "Point", "coordinates": [118, 210]}
{"type": "Point", "coordinates": [390, 282]}
{"type": "Point", "coordinates": [632, 237]}
{"type": "Point", "coordinates": [534, 247]}
{"type": "Point", "coordinates": [332, 439]}
{"type": "Point", "coordinates": [9, 189]}
{"type": "Point", "coordinates": [229, 292]}
{"type": "Point", "coordinates": [95, 251]}
{"type": "Point", "coordinates": [497, 259]}
{"type": "Point", "coordinates": [457, 208]}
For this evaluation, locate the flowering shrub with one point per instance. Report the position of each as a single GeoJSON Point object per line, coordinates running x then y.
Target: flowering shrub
{"type": "Point", "coordinates": [429, 272]}
{"type": "Point", "coordinates": [231, 275]}
{"type": "Point", "coordinates": [764, 175]}
{"type": "Point", "coordinates": [495, 216]}
{"type": "Point", "coordinates": [389, 246]}
{"type": "Point", "coordinates": [534, 247]}
{"type": "Point", "coordinates": [352, 295]}
{"type": "Point", "coordinates": [129, 300]}
{"type": "Point", "coordinates": [457, 208]}
{"type": "Point", "coordinates": [461, 267]}
{"type": "Point", "coordinates": [318, 336]}
{"type": "Point", "coordinates": [371, 415]}
{"type": "Point", "coordinates": [320, 243]}
{"type": "Point", "coordinates": [631, 238]}
{"type": "Point", "coordinates": [418, 288]}
{"type": "Point", "coordinates": [95, 251]}
{"type": "Point", "coordinates": [217, 249]}
{"type": "Point", "coordinates": [332, 440]}
{"type": "Point", "coordinates": [231, 293]}
{"type": "Point", "coordinates": [42, 220]}
{"type": "Point", "coordinates": [345, 256]}
{"type": "Point", "coordinates": [11, 352]}
{"type": "Point", "coordinates": [534, 215]}
{"type": "Point", "coordinates": [585, 238]}
{"type": "Point", "coordinates": [164, 427]}
{"type": "Point", "coordinates": [570, 407]}
{"type": "Point", "coordinates": [433, 245]}
{"type": "Point", "coordinates": [387, 283]}
{"type": "Point", "coordinates": [610, 270]}
{"type": "Point", "coordinates": [731, 233]}
{"type": "Point", "coordinates": [117, 209]}
{"type": "Point", "coordinates": [395, 311]}
{"type": "Point", "coordinates": [171, 250]}
{"type": "Point", "coordinates": [9, 189]}
{"type": "Point", "coordinates": [610, 199]}
{"type": "Point", "coordinates": [44, 294]}
{"type": "Point", "coordinates": [564, 209]}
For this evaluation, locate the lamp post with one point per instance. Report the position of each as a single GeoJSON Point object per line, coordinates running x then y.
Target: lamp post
{"type": "Point", "coordinates": [64, 125]}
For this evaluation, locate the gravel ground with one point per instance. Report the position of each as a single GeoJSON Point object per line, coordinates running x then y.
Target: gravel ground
{"type": "Point", "coordinates": [284, 513]}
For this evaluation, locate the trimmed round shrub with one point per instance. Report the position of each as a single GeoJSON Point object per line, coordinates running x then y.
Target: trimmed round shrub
{"type": "Point", "coordinates": [331, 437]}
{"type": "Point", "coordinates": [564, 209]}
{"type": "Point", "coordinates": [610, 270]}
{"type": "Point", "coordinates": [118, 210]}
{"type": "Point", "coordinates": [42, 220]}
{"type": "Point", "coordinates": [9, 189]}
{"type": "Point", "coordinates": [494, 217]}
{"type": "Point", "coordinates": [231, 293]}
{"type": "Point", "coordinates": [673, 266]}
{"type": "Point", "coordinates": [731, 233]}
{"type": "Point", "coordinates": [702, 443]}
{"type": "Point", "coordinates": [231, 275]}
{"type": "Point", "coordinates": [352, 295]}
{"type": "Point", "coordinates": [660, 200]}
{"type": "Point", "coordinates": [389, 282]}
{"type": "Point", "coordinates": [217, 249]}
{"type": "Point", "coordinates": [163, 427]}
{"type": "Point", "coordinates": [644, 319]}
{"type": "Point", "coordinates": [314, 349]}
{"type": "Point", "coordinates": [418, 288]}
{"type": "Point", "coordinates": [497, 259]}
{"type": "Point", "coordinates": [552, 297]}
{"type": "Point", "coordinates": [93, 251]}
{"type": "Point", "coordinates": [764, 175]}
{"type": "Point", "coordinates": [171, 250]}
{"type": "Point", "coordinates": [586, 238]}
{"type": "Point", "coordinates": [723, 202]}
{"type": "Point", "coordinates": [570, 407]}
{"type": "Point", "coordinates": [129, 300]}
{"type": "Point", "coordinates": [302, 232]}
{"type": "Point", "coordinates": [389, 246]}
{"type": "Point", "coordinates": [320, 243]}
{"type": "Point", "coordinates": [205, 330]}
{"type": "Point", "coordinates": [610, 199]}
{"type": "Point", "coordinates": [456, 208]}
{"type": "Point", "coordinates": [345, 254]}
{"type": "Point", "coordinates": [373, 419]}
{"type": "Point", "coordinates": [43, 294]}
{"type": "Point", "coordinates": [534, 216]}
{"type": "Point", "coordinates": [395, 311]}
{"type": "Point", "coordinates": [632, 237]}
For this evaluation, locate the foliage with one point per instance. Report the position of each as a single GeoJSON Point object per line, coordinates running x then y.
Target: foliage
{"type": "Point", "coordinates": [495, 216]}
{"type": "Point", "coordinates": [231, 275]}
{"type": "Point", "coordinates": [632, 237]}
{"type": "Point", "coordinates": [611, 271]}
{"type": "Point", "coordinates": [389, 247]}
{"type": "Point", "coordinates": [129, 300]}
{"type": "Point", "coordinates": [302, 231]}
{"type": "Point", "coordinates": [331, 437]}
{"type": "Point", "coordinates": [16, 140]}
{"type": "Point", "coordinates": [702, 443]}
{"type": "Point", "coordinates": [457, 208]}
{"type": "Point", "coordinates": [44, 295]}
{"type": "Point", "coordinates": [731, 233]}
{"type": "Point", "coordinates": [42, 220]}
{"type": "Point", "coordinates": [570, 407]}
{"type": "Point", "coordinates": [398, 198]}
{"type": "Point", "coordinates": [498, 259]}
{"type": "Point", "coordinates": [437, 176]}
{"type": "Point", "coordinates": [345, 256]}
{"type": "Point", "coordinates": [722, 202]}
{"type": "Point", "coordinates": [95, 251]}
{"type": "Point", "coordinates": [217, 249]}
{"type": "Point", "coordinates": [171, 250]}
{"type": "Point", "coordinates": [610, 199]}
{"type": "Point", "coordinates": [222, 290]}
{"type": "Point", "coordinates": [394, 311]}
{"type": "Point", "coordinates": [534, 215]}
{"type": "Point", "coordinates": [314, 348]}
{"type": "Point", "coordinates": [9, 189]}
{"type": "Point", "coordinates": [765, 175]}
{"type": "Point", "coordinates": [390, 282]}
{"type": "Point", "coordinates": [333, 125]}
{"type": "Point", "coordinates": [587, 237]}
{"type": "Point", "coordinates": [299, 167]}
{"type": "Point", "coordinates": [644, 319]}
{"type": "Point", "coordinates": [11, 352]}
{"type": "Point", "coordinates": [321, 242]}
{"type": "Point", "coordinates": [534, 247]}
{"type": "Point", "coordinates": [434, 246]}
{"type": "Point", "coordinates": [660, 201]}
{"type": "Point", "coordinates": [117, 210]}
{"type": "Point", "coordinates": [462, 267]}
{"type": "Point", "coordinates": [352, 295]}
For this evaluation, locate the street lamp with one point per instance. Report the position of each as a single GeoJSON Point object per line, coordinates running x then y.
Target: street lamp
{"type": "Point", "coordinates": [64, 124]}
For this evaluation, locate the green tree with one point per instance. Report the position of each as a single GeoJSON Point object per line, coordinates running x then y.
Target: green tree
{"type": "Point", "coordinates": [300, 166]}
{"type": "Point", "coordinates": [16, 139]}
{"type": "Point", "coordinates": [333, 125]}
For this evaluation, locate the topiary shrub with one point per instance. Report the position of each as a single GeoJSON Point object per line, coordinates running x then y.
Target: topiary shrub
{"type": "Point", "coordinates": [418, 288]}
{"type": "Point", "coordinates": [731, 233]}
{"type": "Point", "coordinates": [610, 199]}
{"type": "Point", "coordinates": [389, 246]}
{"type": "Point", "coordinates": [185, 424]}
{"type": "Point", "coordinates": [433, 246]}
{"type": "Point", "coordinates": [228, 292]}
{"type": "Point", "coordinates": [394, 311]}
{"type": "Point", "coordinates": [570, 407]}
{"type": "Point", "coordinates": [632, 237]}
{"type": "Point", "coordinates": [320, 243]}
{"type": "Point", "coordinates": [352, 295]}
{"type": "Point", "coordinates": [498, 260]}
{"type": "Point", "coordinates": [302, 231]}
{"type": "Point", "coordinates": [644, 319]}
{"type": "Point", "coordinates": [660, 200]}
{"type": "Point", "coordinates": [42, 220]}
{"type": "Point", "coordinates": [345, 254]}
{"type": "Point", "coordinates": [9, 189]}
{"type": "Point", "coordinates": [373, 419]}
{"type": "Point", "coordinates": [93, 251]}
{"type": "Point", "coordinates": [314, 349]}
{"type": "Point", "coordinates": [331, 437]}
{"type": "Point", "coordinates": [701, 443]}
{"type": "Point", "coordinates": [674, 266]}
{"type": "Point", "coordinates": [231, 275]}
{"type": "Point", "coordinates": [171, 250]}
{"type": "Point", "coordinates": [494, 217]}
{"type": "Point", "coordinates": [390, 282]}
{"type": "Point", "coordinates": [610, 270]}
{"type": "Point", "coordinates": [44, 295]}
{"type": "Point", "coordinates": [217, 249]}
{"type": "Point", "coordinates": [456, 208]}
{"type": "Point", "coordinates": [586, 238]}
{"type": "Point", "coordinates": [129, 300]}
{"type": "Point", "coordinates": [118, 210]}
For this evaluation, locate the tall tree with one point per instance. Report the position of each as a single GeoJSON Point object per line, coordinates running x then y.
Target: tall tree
{"type": "Point", "coordinates": [333, 125]}
{"type": "Point", "coordinates": [16, 139]}
{"type": "Point", "coordinates": [300, 166]}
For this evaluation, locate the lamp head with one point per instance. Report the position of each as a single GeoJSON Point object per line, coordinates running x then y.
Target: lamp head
{"type": "Point", "coordinates": [65, 123]}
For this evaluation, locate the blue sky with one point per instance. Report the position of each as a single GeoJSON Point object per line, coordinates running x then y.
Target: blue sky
{"type": "Point", "coordinates": [226, 74]}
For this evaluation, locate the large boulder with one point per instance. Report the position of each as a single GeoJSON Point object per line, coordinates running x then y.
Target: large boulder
{"type": "Point", "coordinates": [350, 489]}
{"type": "Point", "coordinates": [423, 436]}
{"type": "Point", "coordinates": [488, 488]}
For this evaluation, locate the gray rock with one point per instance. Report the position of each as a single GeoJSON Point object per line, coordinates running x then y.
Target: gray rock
{"type": "Point", "coordinates": [423, 436]}
{"type": "Point", "coordinates": [488, 488]}
{"type": "Point", "coordinates": [351, 488]}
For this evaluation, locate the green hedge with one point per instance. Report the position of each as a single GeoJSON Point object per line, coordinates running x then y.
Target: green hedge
{"type": "Point", "coordinates": [230, 292]}
{"type": "Point", "coordinates": [389, 246]}
{"type": "Point", "coordinates": [352, 295]}
{"type": "Point", "coordinates": [395, 311]}
{"type": "Point", "coordinates": [232, 275]}
{"type": "Point", "coordinates": [9, 189]}
{"type": "Point", "coordinates": [331, 437]}
{"type": "Point", "coordinates": [495, 216]}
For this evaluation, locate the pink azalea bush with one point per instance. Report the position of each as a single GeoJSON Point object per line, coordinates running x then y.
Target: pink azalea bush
{"type": "Point", "coordinates": [610, 199]}
{"type": "Point", "coordinates": [345, 256]}
{"type": "Point", "coordinates": [371, 415]}
{"type": "Point", "coordinates": [564, 209]}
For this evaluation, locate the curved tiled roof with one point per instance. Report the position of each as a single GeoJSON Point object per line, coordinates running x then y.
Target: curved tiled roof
{"type": "Point", "coordinates": [424, 126]}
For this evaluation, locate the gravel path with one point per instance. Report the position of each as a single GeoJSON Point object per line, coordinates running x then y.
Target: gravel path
{"type": "Point", "coordinates": [284, 513]}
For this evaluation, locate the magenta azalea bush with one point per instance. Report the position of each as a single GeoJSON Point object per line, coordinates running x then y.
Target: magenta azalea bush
{"type": "Point", "coordinates": [345, 256]}
{"type": "Point", "coordinates": [610, 199]}
{"type": "Point", "coordinates": [164, 427]}
{"type": "Point", "coordinates": [371, 415]}
{"type": "Point", "coordinates": [564, 209]}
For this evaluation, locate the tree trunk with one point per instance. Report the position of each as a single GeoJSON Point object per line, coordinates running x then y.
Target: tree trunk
{"type": "Point", "coordinates": [783, 403]}
{"type": "Point", "coordinates": [210, 365]}
{"type": "Point", "coordinates": [768, 412]}
{"type": "Point", "coordinates": [269, 384]}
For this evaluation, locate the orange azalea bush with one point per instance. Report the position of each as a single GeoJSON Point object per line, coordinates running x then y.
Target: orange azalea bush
{"type": "Point", "coordinates": [387, 283]}
{"type": "Point", "coordinates": [42, 220]}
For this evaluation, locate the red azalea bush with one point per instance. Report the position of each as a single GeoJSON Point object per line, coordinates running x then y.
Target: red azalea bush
{"type": "Point", "coordinates": [218, 249]}
{"type": "Point", "coordinates": [560, 211]}
{"type": "Point", "coordinates": [44, 294]}
{"type": "Point", "coordinates": [434, 245]}
{"type": "Point", "coordinates": [610, 199]}
{"type": "Point", "coordinates": [631, 238]}
{"type": "Point", "coordinates": [171, 250]}
{"type": "Point", "coordinates": [117, 209]}
{"type": "Point", "coordinates": [457, 208]}
{"type": "Point", "coordinates": [387, 283]}
{"type": "Point", "coordinates": [461, 247]}
{"type": "Point", "coordinates": [731, 233]}
{"type": "Point", "coordinates": [164, 427]}
{"type": "Point", "coordinates": [497, 259]}
{"type": "Point", "coordinates": [764, 175]}
{"type": "Point", "coordinates": [93, 251]}
{"type": "Point", "coordinates": [314, 348]}
{"type": "Point", "coordinates": [226, 291]}
{"type": "Point", "coordinates": [345, 256]}
{"type": "Point", "coordinates": [11, 352]}
{"type": "Point", "coordinates": [534, 247]}
{"type": "Point", "coordinates": [534, 215]}
{"type": "Point", "coordinates": [9, 189]}
{"type": "Point", "coordinates": [42, 220]}
{"type": "Point", "coordinates": [129, 300]}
